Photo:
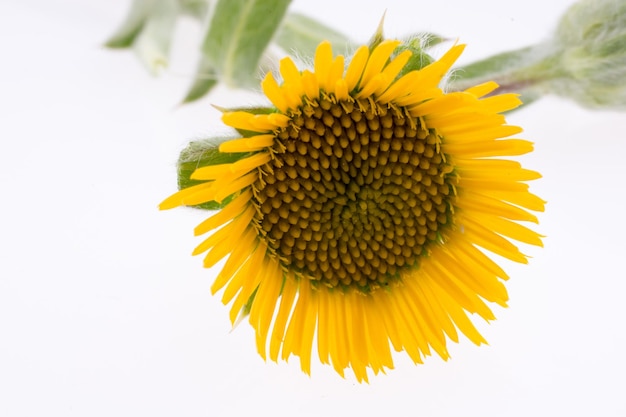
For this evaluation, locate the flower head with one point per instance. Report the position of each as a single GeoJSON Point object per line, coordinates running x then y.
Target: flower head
{"type": "Point", "coordinates": [357, 208]}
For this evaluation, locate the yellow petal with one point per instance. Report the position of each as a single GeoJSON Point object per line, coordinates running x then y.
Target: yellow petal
{"type": "Point", "coordinates": [311, 85]}
{"type": "Point", "coordinates": [323, 62]}
{"type": "Point", "coordinates": [488, 148]}
{"type": "Point", "coordinates": [254, 143]}
{"type": "Point", "coordinates": [432, 74]}
{"type": "Point", "coordinates": [201, 193]}
{"type": "Point", "coordinates": [234, 228]}
{"type": "Point", "coordinates": [273, 92]}
{"type": "Point", "coordinates": [482, 89]}
{"type": "Point", "coordinates": [287, 298]}
{"type": "Point", "coordinates": [356, 67]}
{"type": "Point", "coordinates": [240, 120]}
{"type": "Point", "coordinates": [481, 203]}
{"type": "Point", "coordinates": [230, 211]}
{"type": "Point", "coordinates": [392, 70]}
{"type": "Point", "coordinates": [378, 59]}
{"type": "Point", "coordinates": [491, 241]}
{"type": "Point", "coordinates": [225, 189]}
{"type": "Point", "coordinates": [501, 103]}
{"type": "Point", "coordinates": [241, 252]}
{"type": "Point", "coordinates": [335, 73]}
{"type": "Point", "coordinates": [265, 300]}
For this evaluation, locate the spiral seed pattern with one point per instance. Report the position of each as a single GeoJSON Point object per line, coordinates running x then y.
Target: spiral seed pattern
{"type": "Point", "coordinates": [354, 193]}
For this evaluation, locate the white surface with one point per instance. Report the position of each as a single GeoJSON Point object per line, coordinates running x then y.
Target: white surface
{"type": "Point", "coordinates": [103, 312]}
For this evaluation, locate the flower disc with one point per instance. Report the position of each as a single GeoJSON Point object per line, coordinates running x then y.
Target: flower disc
{"type": "Point", "coordinates": [354, 192]}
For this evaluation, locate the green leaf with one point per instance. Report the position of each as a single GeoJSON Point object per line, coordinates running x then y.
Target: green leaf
{"type": "Point", "coordinates": [206, 79]}
{"type": "Point", "coordinates": [199, 154]}
{"type": "Point", "coordinates": [195, 8]}
{"type": "Point", "coordinates": [125, 35]}
{"type": "Point", "coordinates": [148, 28]}
{"type": "Point", "coordinates": [152, 46]}
{"type": "Point", "coordinates": [238, 34]}
{"type": "Point", "coordinates": [299, 35]}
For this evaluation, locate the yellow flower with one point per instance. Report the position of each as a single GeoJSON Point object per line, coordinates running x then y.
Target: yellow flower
{"type": "Point", "coordinates": [359, 207]}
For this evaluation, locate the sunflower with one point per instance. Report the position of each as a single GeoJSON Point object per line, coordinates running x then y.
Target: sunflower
{"type": "Point", "coordinates": [358, 210]}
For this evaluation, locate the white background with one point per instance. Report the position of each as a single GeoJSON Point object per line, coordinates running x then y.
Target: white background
{"type": "Point", "coordinates": [103, 312]}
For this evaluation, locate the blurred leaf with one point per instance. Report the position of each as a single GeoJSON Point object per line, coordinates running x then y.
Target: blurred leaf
{"type": "Point", "coordinates": [519, 71]}
{"type": "Point", "coordinates": [152, 46]}
{"type": "Point", "coordinates": [528, 96]}
{"type": "Point", "coordinates": [125, 35]}
{"type": "Point", "coordinates": [238, 34]}
{"type": "Point", "coordinates": [300, 35]}
{"type": "Point", "coordinates": [195, 8]}
{"type": "Point", "coordinates": [148, 28]}
{"type": "Point", "coordinates": [206, 79]}
{"type": "Point", "coordinates": [513, 70]}
{"type": "Point", "coordinates": [496, 64]}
